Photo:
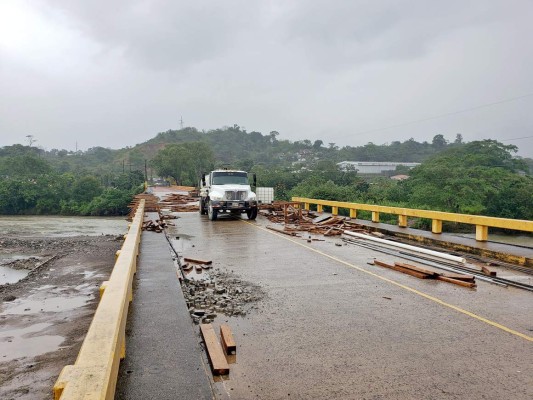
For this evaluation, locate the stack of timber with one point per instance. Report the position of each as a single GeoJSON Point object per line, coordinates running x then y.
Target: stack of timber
{"type": "Point", "coordinates": [179, 203]}
{"type": "Point", "coordinates": [150, 204]}
{"type": "Point", "coordinates": [423, 273]}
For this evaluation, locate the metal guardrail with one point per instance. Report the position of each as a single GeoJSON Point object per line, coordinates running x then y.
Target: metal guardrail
{"type": "Point", "coordinates": [482, 223]}
{"type": "Point", "coordinates": [94, 374]}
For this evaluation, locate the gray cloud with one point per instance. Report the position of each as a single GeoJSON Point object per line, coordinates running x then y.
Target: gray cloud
{"type": "Point", "coordinates": [115, 73]}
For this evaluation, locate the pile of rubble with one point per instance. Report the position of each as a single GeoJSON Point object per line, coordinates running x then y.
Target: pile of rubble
{"type": "Point", "coordinates": [219, 292]}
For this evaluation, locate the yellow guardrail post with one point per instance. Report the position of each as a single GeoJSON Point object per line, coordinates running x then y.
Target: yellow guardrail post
{"type": "Point", "coordinates": [436, 226]}
{"type": "Point", "coordinates": [94, 374]}
{"type": "Point", "coordinates": [481, 222]}
{"type": "Point", "coordinates": [482, 233]}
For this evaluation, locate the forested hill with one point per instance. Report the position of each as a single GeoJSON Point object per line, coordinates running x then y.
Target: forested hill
{"type": "Point", "coordinates": [237, 147]}
{"type": "Point", "coordinates": [482, 177]}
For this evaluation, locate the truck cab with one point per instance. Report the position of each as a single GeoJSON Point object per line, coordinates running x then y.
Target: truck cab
{"type": "Point", "coordinates": [225, 190]}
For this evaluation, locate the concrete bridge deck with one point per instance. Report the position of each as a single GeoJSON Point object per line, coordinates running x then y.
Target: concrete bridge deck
{"type": "Point", "coordinates": [328, 326]}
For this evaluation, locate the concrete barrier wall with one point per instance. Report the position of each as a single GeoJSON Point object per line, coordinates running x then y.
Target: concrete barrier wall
{"type": "Point", "coordinates": [482, 223]}
{"type": "Point", "coordinates": [94, 374]}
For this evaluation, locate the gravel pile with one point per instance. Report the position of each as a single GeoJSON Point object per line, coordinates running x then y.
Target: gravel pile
{"type": "Point", "coordinates": [219, 292]}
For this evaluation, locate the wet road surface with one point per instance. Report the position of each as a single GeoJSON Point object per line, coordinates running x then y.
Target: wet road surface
{"type": "Point", "coordinates": [333, 327]}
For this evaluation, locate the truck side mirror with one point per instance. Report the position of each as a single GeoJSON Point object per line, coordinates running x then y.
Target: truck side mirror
{"type": "Point", "coordinates": [203, 179]}
{"type": "Point", "coordinates": [255, 180]}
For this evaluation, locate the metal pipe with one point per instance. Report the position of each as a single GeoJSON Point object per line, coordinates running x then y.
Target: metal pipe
{"type": "Point", "coordinates": [459, 260]}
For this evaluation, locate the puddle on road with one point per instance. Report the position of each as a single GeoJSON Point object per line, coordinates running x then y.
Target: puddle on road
{"type": "Point", "coordinates": [52, 304]}
{"type": "Point", "coordinates": [22, 342]}
{"type": "Point", "coordinates": [10, 275]}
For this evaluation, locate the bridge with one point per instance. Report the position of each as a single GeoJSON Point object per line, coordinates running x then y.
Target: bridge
{"type": "Point", "coordinates": [313, 316]}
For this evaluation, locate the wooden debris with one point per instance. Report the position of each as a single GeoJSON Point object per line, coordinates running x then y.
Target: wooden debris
{"type": "Point", "coordinates": [154, 226]}
{"type": "Point", "coordinates": [219, 364]}
{"type": "Point", "coordinates": [461, 277]}
{"type": "Point", "coordinates": [282, 231]}
{"type": "Point", "coordinates": [488, 271]}
{"type": "Point", "coordinates": [428, 272]}
{"type": "Point", "coordinates": [197, 261]}
{"type": "Point", "coordinates": [457, 282]}
{"type": "Point", "coordinates": [226, 337]}
{"type": "Point", "coordinates": [423, 273]}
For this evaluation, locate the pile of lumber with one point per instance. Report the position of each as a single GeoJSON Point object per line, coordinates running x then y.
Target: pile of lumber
{"type": "Point", "coordinates": [179, 203]}
{"type": "Point", "coordinates": [154, 226]}
{"type": "Point", "coordinates": [423, 273]}
{"type": "Point", "coordinates": [150, 203]}
{"type": "Point", "coordinates": [329, 225]}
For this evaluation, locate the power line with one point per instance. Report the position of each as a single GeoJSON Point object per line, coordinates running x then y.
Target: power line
{"type": "Point", "coordinates": [447, 114]}
{"type": "Point", "coordinates": [517, 138]}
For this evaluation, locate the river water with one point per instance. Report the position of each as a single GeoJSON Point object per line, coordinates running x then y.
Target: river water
{"type": "Point", "coordinates": [50, 226]}
{"type": "Point", "coordinates": [54, 226]}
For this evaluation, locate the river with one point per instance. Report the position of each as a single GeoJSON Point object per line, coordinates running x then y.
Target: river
{"type": "Point", "coordinates": [60, 226]}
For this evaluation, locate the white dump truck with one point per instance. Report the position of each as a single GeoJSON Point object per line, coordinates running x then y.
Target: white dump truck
{"type": "Point", "coordinates": [225, 190]}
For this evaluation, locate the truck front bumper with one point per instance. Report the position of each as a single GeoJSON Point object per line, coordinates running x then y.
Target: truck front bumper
{"type": "Point", "coordinates": [234, 205]}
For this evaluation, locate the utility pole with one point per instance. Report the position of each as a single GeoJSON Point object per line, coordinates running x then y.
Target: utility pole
{"type": "Point", "coordinates": [145, 171]}
{"type": "Point", "coordinates": [181, 122]}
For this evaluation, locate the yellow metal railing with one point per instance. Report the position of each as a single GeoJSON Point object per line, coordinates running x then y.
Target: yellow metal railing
{"type": "Point", "coordinates": [94, 374]}
{"type": "Point", "coordinates": [482, 223]}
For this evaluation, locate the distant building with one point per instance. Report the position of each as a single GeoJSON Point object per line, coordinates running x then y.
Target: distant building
{"type": "Point", "coordinates": [373, 167]}
{"type": "Point", "coordinates": [400, 177]}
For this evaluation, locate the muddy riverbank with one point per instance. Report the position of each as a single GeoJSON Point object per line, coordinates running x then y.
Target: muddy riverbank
{"type": "Point", "coordinates": [45, 315]}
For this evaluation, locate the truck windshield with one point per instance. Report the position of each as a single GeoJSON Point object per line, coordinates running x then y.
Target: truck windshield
{"type": "Point", "coordinates": [229, 178]}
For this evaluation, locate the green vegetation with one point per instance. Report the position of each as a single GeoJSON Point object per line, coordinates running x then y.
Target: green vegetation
{"type": "Point", "coordinates": [482, 177]}
{"type": "Point", "coordinates": [30, 184]}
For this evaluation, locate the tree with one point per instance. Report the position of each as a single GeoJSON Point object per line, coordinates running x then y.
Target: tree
{"type": "Point", "coordinates": [476, 178]}
{"type": "Point", "coordinates": [184, 162]}
{"type": "Point", "coordinates": [439, 142]}
{"type": "Point", "coordinates": [86, 188]}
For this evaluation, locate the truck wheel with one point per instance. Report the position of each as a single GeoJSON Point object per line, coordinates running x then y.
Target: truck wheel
{"type": "Point", "coordinates": [212, 213]}
{"type": "Point", "coordinates": [252, 213]}
{"type": "Point", "coordinates": [202, 207]}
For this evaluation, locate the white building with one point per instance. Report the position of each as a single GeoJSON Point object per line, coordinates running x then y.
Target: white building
{"type": "Point", "coordinates": [373, 167]}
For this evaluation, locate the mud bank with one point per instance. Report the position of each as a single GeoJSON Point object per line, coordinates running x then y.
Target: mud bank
{"type": "Point", "coordinates": [45, 315]}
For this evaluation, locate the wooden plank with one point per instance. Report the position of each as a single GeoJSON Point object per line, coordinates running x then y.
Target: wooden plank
{"type": "Point", "coordinates": [226, 337]}
{"type": "Point", "coordinates": [281, 231]}
{"type": "Point", "coordinates": [401, 269]}
{"type": "Point", "coordinates": [431, 273]}
{"type": "Point", "coordinates": [461, 277]}
{"type": "Point", "coordinates": [197, 261]}
{"type": "Point", "coordinates": [217, 359]}
{"type": "Point", "coordinates": [457, 282]}
{"type": "Point", "coordinates": [487, 271]}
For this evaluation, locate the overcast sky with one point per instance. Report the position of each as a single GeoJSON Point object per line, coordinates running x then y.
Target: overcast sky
{"type": "Point", "coordinates": [115, 73]}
